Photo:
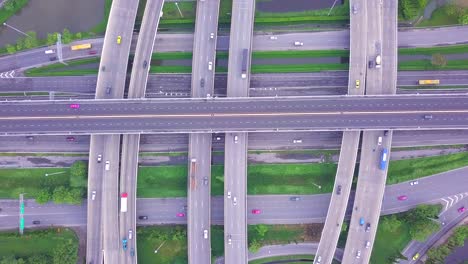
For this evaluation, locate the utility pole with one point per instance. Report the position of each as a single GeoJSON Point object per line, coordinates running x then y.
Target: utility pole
{"type": "Point", "coordinates": [21, 214]}
{"type": "Point", "coordinates": [59, 49]}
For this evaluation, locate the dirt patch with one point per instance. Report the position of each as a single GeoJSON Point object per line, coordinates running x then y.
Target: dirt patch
{"type": "Point", "coordinates": [313, 232]}
{"type": "Point", "coordinates": [460, 3]}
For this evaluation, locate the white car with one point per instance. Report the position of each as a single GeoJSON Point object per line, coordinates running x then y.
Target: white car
{"type": "Point", "coordinates": [130, 234]}
{"type": "Point", "coordinates": [234, 201]}
{"type": "Point", "coordinates": [236, 138]}
{"type": "Point", "coordinates": [93, 196]}
{"type": "Point", "coordinates": [218, 138]}
{"type": "Point", "coordinates": [210, 65]}
{"type": "Point", "coordinates": [205, 234]}
{"type": "Point", "coordinates": [107, 165]}
{"type": "Point", "coordinates": [273, 37]}
{"type": "Point", "coordinates": [211, 35]}
{"type": "Point", "coordinates": [414, 183]}
{"type": "Point", "coordinates": [297, 141]}
{"type": "Point", "coordinates": [229, 239]}
{"type": "Point", "coordinates": [379, 141]}
{"type": "Point", "coordinates": [229, 195]}
{"type": "Point", "coordinates": [298, 43]}
{"type": "Point", "coordinates": [99, 158]}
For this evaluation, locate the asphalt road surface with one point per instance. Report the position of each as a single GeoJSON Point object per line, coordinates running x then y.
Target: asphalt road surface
{"type": "Point", "coordinates": [190, 115]}
{"type": "Point", "coordinates": [199, 178]}
{"type": "Point", "coordinates": [275, 209]}
{"type": "Point", "coordinates": [312, 41]}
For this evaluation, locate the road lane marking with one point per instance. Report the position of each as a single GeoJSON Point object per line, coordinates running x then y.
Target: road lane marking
{"type": "Point", "coordinates": [230, 115]}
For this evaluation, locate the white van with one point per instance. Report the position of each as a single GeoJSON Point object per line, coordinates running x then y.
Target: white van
{"type": "Point", "coordinates": [379, 141]}
{"type": "Point", "coordinates": [49, 51]}
{"type": "Point", "coordinates": [107, 165]}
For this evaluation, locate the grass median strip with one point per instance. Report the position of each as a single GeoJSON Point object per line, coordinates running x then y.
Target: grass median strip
{"type": "Point", "coordinates": [425, 65]}
{"type": "Point", "coordinates": [171, 181]}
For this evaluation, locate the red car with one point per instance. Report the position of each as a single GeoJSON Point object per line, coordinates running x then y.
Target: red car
{"type": "Point", "coordinates": [180, 214]}
{"type": "Point", "coordinates": [461, 209]}
{"type": "Point", "coordinates": [402, 198]}
{"type": "Point", "coordinates": [71, 139]}
{"type": "Point", "coordinates": [74, 106]}
{"type": "Point", "coordinates": [256, 211]}
{"type": "Point", "coordinates": [91, 52]}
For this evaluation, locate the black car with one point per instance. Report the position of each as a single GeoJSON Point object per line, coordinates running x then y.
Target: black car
{"type": "Point", "coordinates": [53, 58]}
{"type": "Point", "coordinates": [368, 227]}
{"type": "Point", "coordinates": [143, 217]}
{"type": "Point", "coordinates": [36, 222]}
{"type": "Point", "coordinates": [385, 133]}
{"type": "Point", "coordinates": [338, 190]}
{"type": "Point", "coordinates": [145, 64]}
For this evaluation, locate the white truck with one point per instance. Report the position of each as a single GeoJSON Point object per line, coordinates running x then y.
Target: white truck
{"type": "Point", "coordinates": [123, 202]}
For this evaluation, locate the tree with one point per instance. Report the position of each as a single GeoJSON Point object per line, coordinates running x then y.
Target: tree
{"type": "Point", "coordinates": [66, 36]}
{"type": "Point", "coordinates": [31, 41]}
{"type": "Point", "coordinates": [422, 228]}
{"type": "Point", "coordinates": [38, 259]}
{"type": "Point", "coordinates": [60, 194]}
{"type": "Point", "coordinates": [254, 246]}
{"type": "Point", "coordinates": [51, 38]}
{"type": "Point", "coordinates": [78, 35]}
{"type": "Point", "coordinates": [10, 49]}
{"type": "Point", "coordinates": [78, 174]}
{"type": "Point", "coordinates": [438, 60]}
{"type": "Point", "coordinates": [463, 19]}
{"type": "Point", "coordinates": [390, 223]}
{"type": "Point", "coordinates": [43, 196]}
{"type": "Point", "coordinates": [65, 253]}
{"type": "Point", "coordinates": [261, 230]}
{"type": "Point", "coordinates": [74, 196]}
{"type": "Point", "coordinates": [20, 44]}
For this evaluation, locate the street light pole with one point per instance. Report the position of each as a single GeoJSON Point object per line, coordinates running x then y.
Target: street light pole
{"type": "Point", "coordinates": [54, 173]}
{"type": "Point", "coordinates": [332, 7]}
{"type": "Point", "coordinates": [180, 12]}
{"type": "Point", "coordinates": [15, 29]}
{"type": "Point", "coordinates": [156, 251]}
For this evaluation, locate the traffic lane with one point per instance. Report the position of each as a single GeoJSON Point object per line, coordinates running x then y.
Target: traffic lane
{"type": "Point", "coordinates": [235, 123]}
{"type": "Point", "coordinates": [230, 106]}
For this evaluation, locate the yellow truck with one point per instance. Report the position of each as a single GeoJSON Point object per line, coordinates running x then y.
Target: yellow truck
{"type": "Point", "coordinates": [81, 46]}
{"type": "Point", "coordinates": [429, 82]}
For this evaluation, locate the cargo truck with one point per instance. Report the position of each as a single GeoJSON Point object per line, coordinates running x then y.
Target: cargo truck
{"type": "Point", "coordinates": [123, 202]}
{"type": "Point", "coordinates": [193, 168]}
{"type": "Point", "coordinates": [244, 63]}
{"type": "Point", "coordinates": [425, 82]}
{"type": "Point", "coordinates": [384, 159]}
{"type": "Point", "coordinates": [81, 46]}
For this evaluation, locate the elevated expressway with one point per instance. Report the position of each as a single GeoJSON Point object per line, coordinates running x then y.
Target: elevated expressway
{"type": "Point", "coordinates": [235, 114]}
{"type": "Point", "coordinates": [104, 246]}
{"type": "Point", "coordinates": [199, 177]}
{"type": "Point", "coordinates": [382, 40]}
{"type": "Point", "coordinates": [130, 142]}
{"type": "Point", "coordinates": [235, 153]}
{"type": "Point", "coordinates": [350, 140]}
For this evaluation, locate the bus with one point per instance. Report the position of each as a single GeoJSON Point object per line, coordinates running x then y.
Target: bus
{"type": "Point", "coordinates": [81, 46]}
{"type": "Point", "coordinates": [425, 82]}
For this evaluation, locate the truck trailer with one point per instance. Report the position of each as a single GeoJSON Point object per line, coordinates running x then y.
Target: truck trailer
{"type": "Point", "coordinates": [123, 202]}
{"type": "Point", "coordinates": [245, 53]}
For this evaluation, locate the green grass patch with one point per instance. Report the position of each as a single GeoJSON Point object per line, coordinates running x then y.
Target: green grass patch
{"type": "Point", "coordinates": [173, 251]}
{"type": "Point", "coordinates": [37, 242]}
{"type": "Point", "coordinates": [6, 13]}
{"type": "Point", "coordinates": [405, 170]}
{"type": "Point", "coordinates": [31, 181]}
{"type": "Point", "coordinates": [59, 69]}
{"type": "Point", "coordinates": [217, 241]}
{"type": "Point", "coordinates": [429, 147]}
{"type": "Point", "coordinates": [162, 181]}
{"type": "Point", "coordinates": [440, 17]}
{"type": "Point", "coordinates": [163, 154]}
{"type": "Point", "coordinates": [299, 54]}
{"type": "Point", "coordinates": [171, 69]}
{"type": "Point", "coordinates": [451, 49]}
{"type": "Point", "coordinates": [421, 65]}
{"type": "Point", "coordinates": [289, 257]}
{"type": "Point", "coordinates": [388, 244]}
{"type": "Point", "coordinates": [299, 68]}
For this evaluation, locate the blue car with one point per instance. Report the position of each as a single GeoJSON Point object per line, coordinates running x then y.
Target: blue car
{"type": "Point", "coordinates": [361, 221]}
{"type": "Point", "coordinates": [124, 244]}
